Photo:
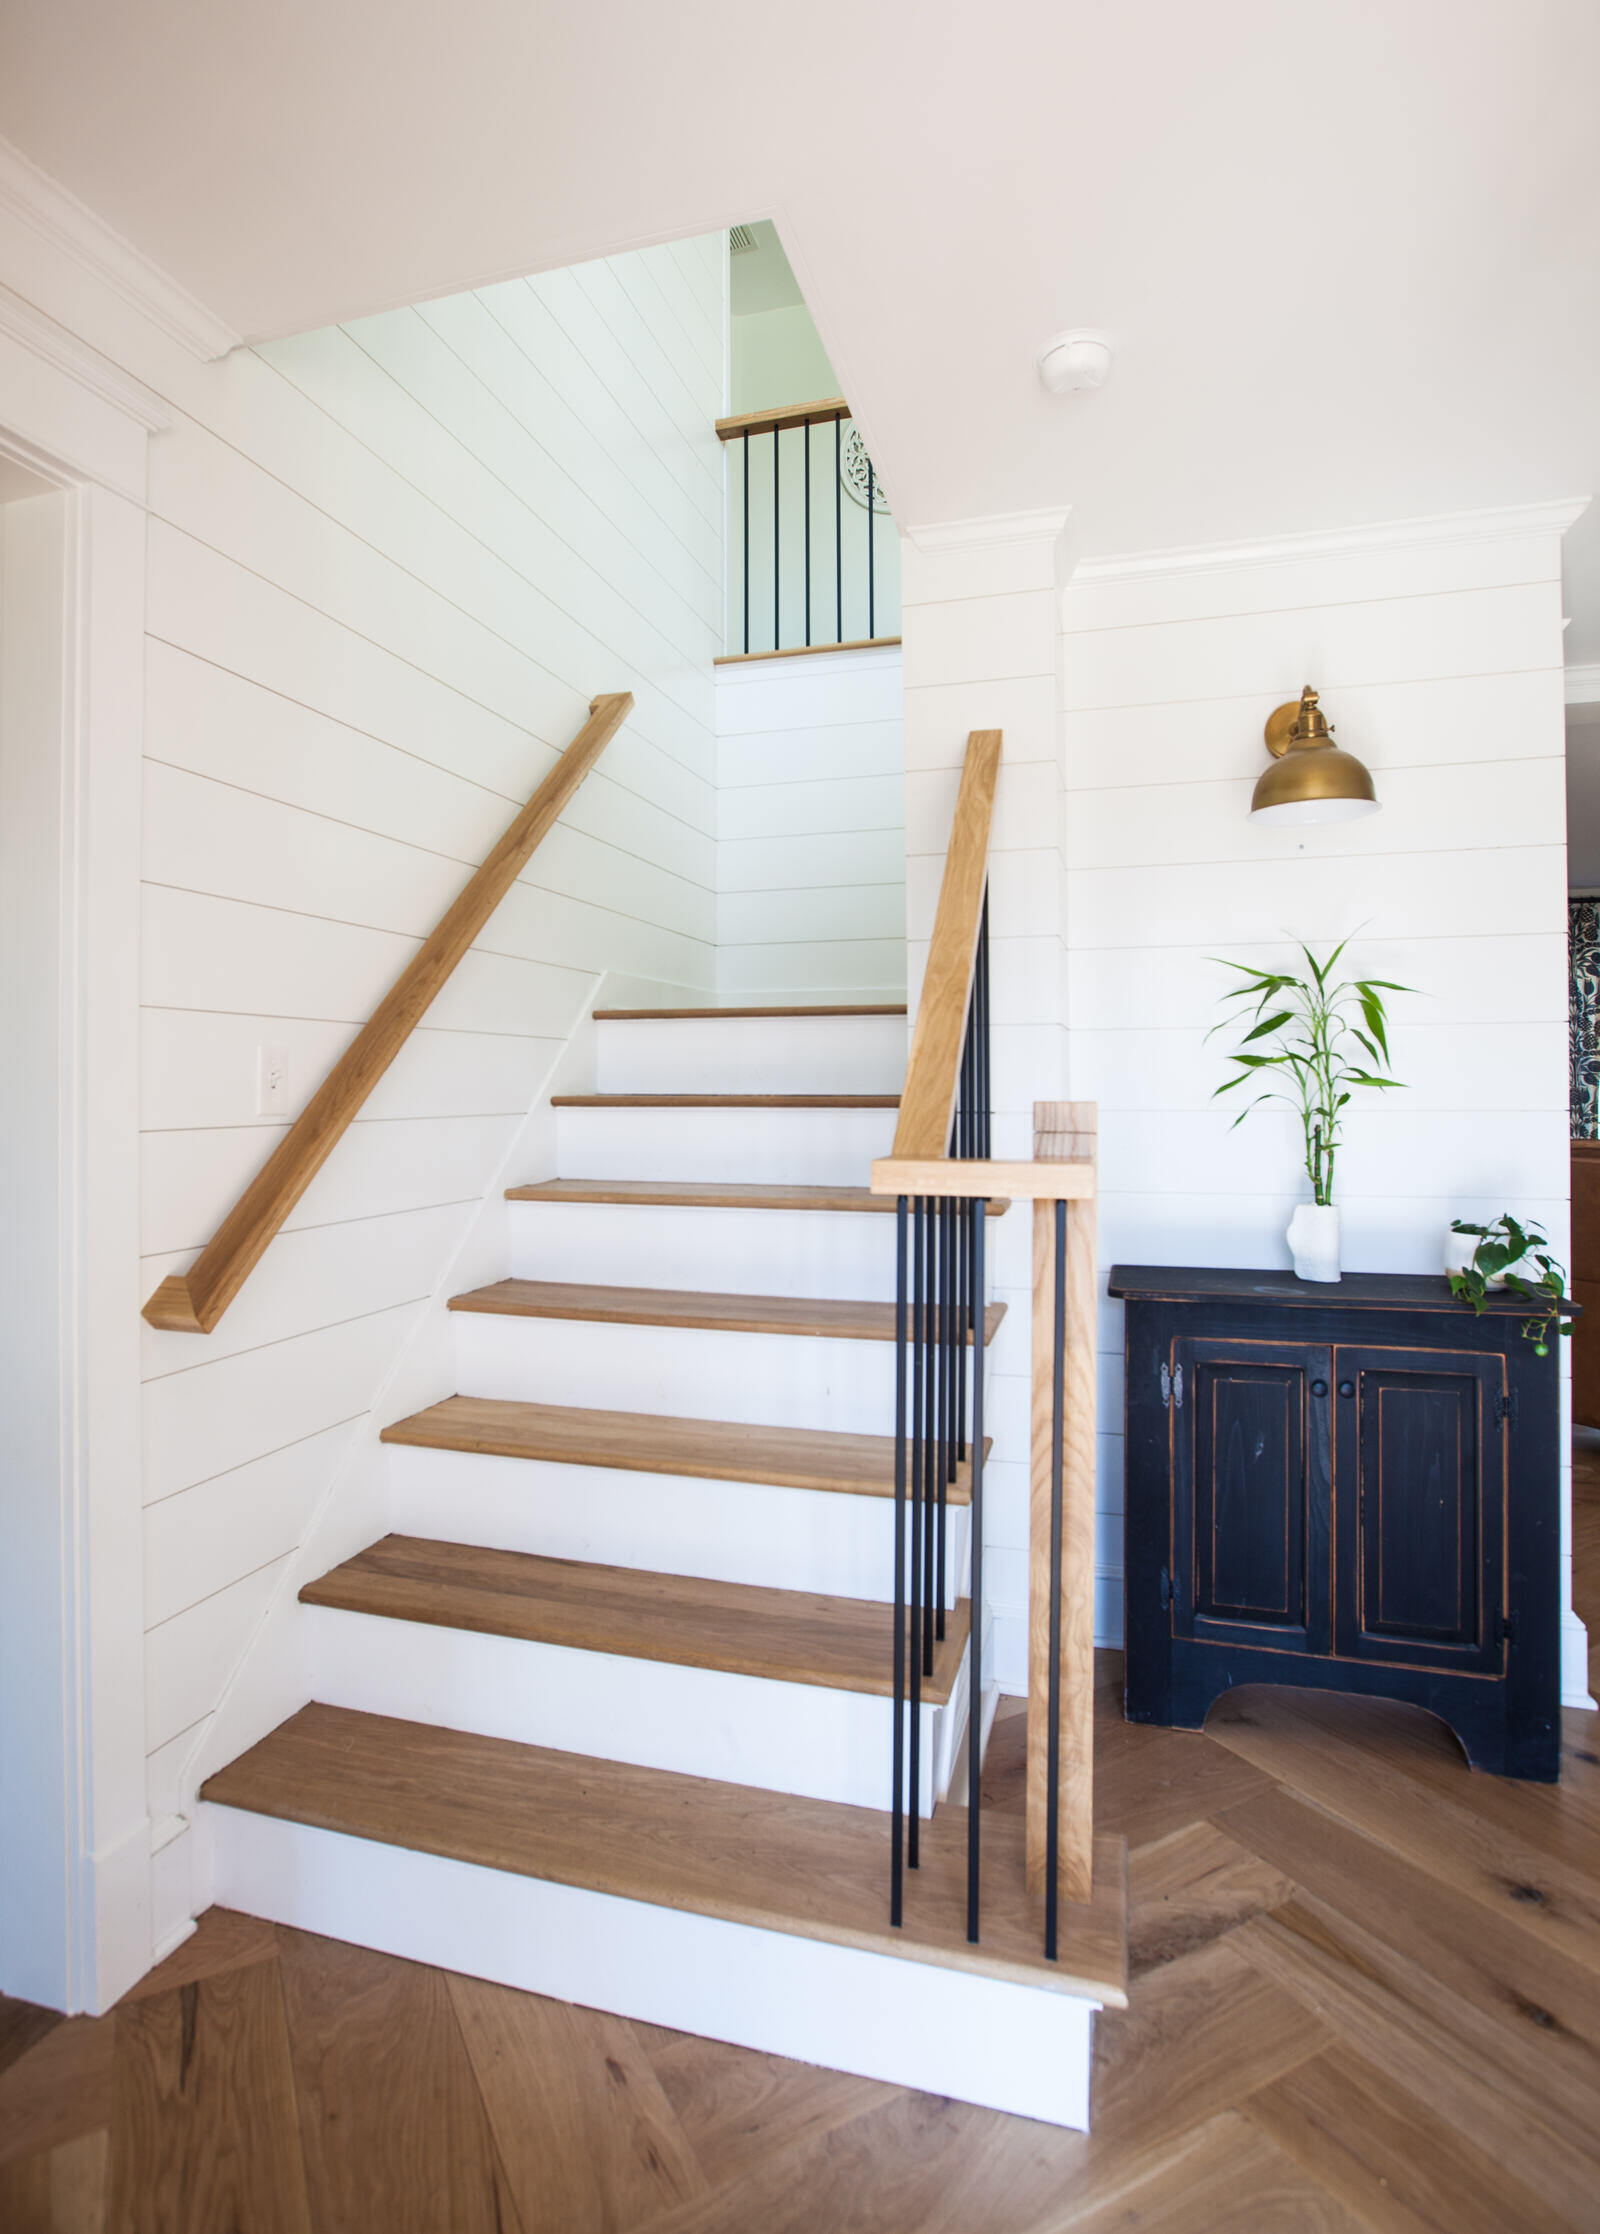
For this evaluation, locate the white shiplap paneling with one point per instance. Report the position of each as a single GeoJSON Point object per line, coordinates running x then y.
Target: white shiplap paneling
{"type": "Point", "coordinates": [811, 828]}
{"type": "Point", "coordinates": [388, 568]}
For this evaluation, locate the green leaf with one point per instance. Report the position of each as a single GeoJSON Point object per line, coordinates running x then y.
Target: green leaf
{"type": "Point", "coordinates": [1268, 1024]}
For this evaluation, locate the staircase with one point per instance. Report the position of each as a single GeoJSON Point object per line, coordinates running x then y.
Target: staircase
{"type": "Point", "coordinates": [607, 1715]}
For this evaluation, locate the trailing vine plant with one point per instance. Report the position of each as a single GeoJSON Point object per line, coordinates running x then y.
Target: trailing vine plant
{"type": "Point", "coordinates": [1500, 1246]}
{"type": "Point", "coordinates": [1312, 1041]}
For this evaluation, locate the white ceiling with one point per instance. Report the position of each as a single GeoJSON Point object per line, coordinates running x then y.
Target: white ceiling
{"type": "Point", "coordinates": [1346, 247]}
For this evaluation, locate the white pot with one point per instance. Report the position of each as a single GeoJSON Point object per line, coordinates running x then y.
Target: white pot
{"type": "Point", "coordinates": [1314, 1240]}
{"type": "Point", "coordinates": [1458, 1252]}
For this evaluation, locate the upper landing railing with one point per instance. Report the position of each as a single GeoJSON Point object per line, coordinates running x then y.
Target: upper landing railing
{"type": "Point", "coordinates": [813, 557]}
{"type": "Point", "coordinates": [192, 1302]}
{"type": "Point", "coordinates": [943, 1173]}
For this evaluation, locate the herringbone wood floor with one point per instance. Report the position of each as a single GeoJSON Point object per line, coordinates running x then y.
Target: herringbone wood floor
{"type": "Point", "coordinates": [1366, 1995]}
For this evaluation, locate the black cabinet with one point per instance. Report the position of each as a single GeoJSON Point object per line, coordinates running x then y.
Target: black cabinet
{"type": "Point", "coordinates": [1354, 1487]}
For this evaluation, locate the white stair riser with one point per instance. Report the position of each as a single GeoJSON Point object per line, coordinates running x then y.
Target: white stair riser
{"type": "Point", "coordinates": [754, 1055]}
{"type": "Point", "coordinates": [975, 2039]}
{"type": "Point", "coordinates": [804, 1147]}
{"type": "Point", "coordinates": [843, 1253]}
{"type": "Point", "coordinates": [782, 1737]}
{"type": "Point", "coordinates": [778, 1380]}
{"type": "Point", "coordinates": [838, 1545]}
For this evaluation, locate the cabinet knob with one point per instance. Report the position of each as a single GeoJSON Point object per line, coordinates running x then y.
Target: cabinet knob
{"type": "Point", "coordinates": [1347, 1388]}
{"type": "Point", "coordinates": [1319, 1388]}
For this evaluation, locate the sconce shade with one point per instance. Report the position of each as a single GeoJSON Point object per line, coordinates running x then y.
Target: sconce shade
{"type": "Point", "coordinates": [1311, 778]}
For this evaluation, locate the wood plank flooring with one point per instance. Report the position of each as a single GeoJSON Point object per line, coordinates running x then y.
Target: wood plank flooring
{"type": "Point", "coordinates": [1363, 2002]}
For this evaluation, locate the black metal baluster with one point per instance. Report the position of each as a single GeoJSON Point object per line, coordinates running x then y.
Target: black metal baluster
{"type": "Point", "coordinates": [838, 526]}
{"type": "Point", "coordinates": [808, 528]}
{"type": "Point", "coordinates": [1052, 1798]}
{"type": "Point", "coordinates": [930, 1450]}
{"type": "Point", "coordinates": [897, 1849]}
{"type": "Point", "coordinates": [947, 1323]}
{"type": "Point", "coordinates": [975, 1683]}
{"type": "Point", "coordinates": [777, 630]}
{"type": "Point", "coordinates": [744, 480]}
{"type": "Point", "coordinates": [872, 609]}
{"type": "Point", "coordinates": [914, 1606]}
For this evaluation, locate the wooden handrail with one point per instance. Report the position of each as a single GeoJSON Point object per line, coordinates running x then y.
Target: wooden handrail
{"type": "Point", "coordinates": [778, 418]}
{"type": "Point", "coordinates": [192, 1302]}
{"type": "Point", "coordinates": [928, 1099]}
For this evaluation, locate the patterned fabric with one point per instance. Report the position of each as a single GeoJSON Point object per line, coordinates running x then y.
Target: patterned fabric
{"type": "Point", "coordinates": [1583, 951]}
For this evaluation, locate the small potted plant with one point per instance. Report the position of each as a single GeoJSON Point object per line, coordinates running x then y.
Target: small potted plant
{"type": "Point", "coordinates": [1509, 1255]}
{"type": "Point", "coordinates": [1312, 1041]}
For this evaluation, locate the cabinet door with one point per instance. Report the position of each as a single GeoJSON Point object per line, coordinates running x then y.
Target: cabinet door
{"type": "Point", "coordinates": [1419, 1498]}
{"type": "Point", "coordinates": [1251, 1493]}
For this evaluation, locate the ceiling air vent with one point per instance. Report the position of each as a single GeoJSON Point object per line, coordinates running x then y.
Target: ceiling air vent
{"type": "Point", "coordinates": [741, 239]}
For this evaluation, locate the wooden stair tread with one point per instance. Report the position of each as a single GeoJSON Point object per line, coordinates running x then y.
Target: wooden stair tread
{"type": "Point", "coordinates": [782, 1636]}
{"type": "Point", "coordinates": [725, 1101]}
{"type": "Point", "coordinates": [710, 1194]}
{"type": "Point", "coordinates": [840, 1319]}
{"type": "Point", "coordinates": [675, 1015]}
{"type": "Point", "coordinates": [656, 1443]}
{"type": "Point", "coordinates": [811, 1868]}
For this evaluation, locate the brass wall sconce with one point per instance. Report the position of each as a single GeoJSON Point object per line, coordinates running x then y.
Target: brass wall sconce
{"type": "Point", "coordinates": [1311, 778]}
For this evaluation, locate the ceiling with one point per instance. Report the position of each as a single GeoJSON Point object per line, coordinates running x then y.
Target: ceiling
{"type": "Point", "coordinates": [1347, 250]}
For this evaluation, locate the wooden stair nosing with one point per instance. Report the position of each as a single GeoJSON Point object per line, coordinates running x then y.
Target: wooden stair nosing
{"type": "Point", "coordinates": [724, 1101]}
{"type": "Point", "coordinates": [814, 1869]}
{"type": "Point", "coordinates": [838, 1319]}
{"type": "Point", "coordinates": [711, 1194]}
{"type": "Point", "coordinates": [734, 1628]}
{"type": "Point", "coordinates": [660, 1443]}
{"type": "Point", "coordinates": [696, 1015]}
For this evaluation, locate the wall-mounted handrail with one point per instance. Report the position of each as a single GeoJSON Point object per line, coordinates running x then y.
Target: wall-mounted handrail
{"type": "Point", "coordinates": [192, 1302]}
{"type": "Point", "coordinates": [813, 572]}
{"type": "Point", "coordinates": [928, 1098]}
{"type": "Point", "coordinates": [944, 1175]}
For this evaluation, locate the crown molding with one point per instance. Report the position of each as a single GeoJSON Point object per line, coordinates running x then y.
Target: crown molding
{"type": "Point", "coordinates": [994, 529]}
{"type": "Point", "coordinates": [1493, 526]}
{"type": "Point", "coordinates": [1583, 684]}
{"type": "Point", "coordinates": [44, 338]}
{"type": "Point", "coordinates": [35, 198]}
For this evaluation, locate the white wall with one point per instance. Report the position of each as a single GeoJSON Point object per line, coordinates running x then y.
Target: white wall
{"type": "Point", "coordinates": [1132, 703]}
{"type": "Point", "coordinates": [811, 828]}
{"type": "Point", "coordinates": [776, 356]}
{"type": "Point", "coordinates": [388, 567]}
{"type": "Point", "coordinates": [1437, 651]}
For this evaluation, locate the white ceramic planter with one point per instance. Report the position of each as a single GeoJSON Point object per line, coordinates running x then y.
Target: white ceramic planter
{"type": "Point", "coordinates": [1314, 1240]}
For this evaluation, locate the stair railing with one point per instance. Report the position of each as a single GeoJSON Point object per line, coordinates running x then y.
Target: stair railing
{"type": "Point", "coordinates": [823, 564]}
{"type": "Point", "coordinates": [944, 1175]}
{"type": "Point", "coordinates": [192, 1302]}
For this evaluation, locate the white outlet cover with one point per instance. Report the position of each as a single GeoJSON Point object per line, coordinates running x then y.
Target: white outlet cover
{"type": "Point", "coordinates": [272, 1081]}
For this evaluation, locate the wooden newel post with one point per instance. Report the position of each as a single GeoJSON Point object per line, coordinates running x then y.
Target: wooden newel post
{"type": "Point", "coordinates": [1063, 1131]}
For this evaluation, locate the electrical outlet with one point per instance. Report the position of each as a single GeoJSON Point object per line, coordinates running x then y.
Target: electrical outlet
{"type": "Point", "coordinates": [272, 1081]}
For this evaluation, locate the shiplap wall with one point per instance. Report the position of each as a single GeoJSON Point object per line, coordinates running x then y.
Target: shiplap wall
{"type": "Point", "coordinates": [1132, 699]}
{"type": "Point", "coordinates": [388, 566]}
{"type": "Point", "coordinates": [1437, 650]}
{"type": "Point", "coordinates": [811, 882]}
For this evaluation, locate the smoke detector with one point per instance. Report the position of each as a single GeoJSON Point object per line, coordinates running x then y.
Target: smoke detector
{"type": "Point", "coordinates": [1079, 358]}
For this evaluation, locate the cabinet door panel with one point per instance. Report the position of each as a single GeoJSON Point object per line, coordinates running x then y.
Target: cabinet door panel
{"type": "Point", "coordinates": [1251, 1504]}
{"type": "Point", "coordinates": [1420, 1477]}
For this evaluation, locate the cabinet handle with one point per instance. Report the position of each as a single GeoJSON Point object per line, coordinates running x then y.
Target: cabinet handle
{"type": "Point", "coordinates": [1347, 1388]}
{"type": "Point", "coordinates": [1319, 1388]}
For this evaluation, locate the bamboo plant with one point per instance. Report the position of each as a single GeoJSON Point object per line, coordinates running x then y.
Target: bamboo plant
{"type": "Point", "coordinates": [1312, 1041]}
